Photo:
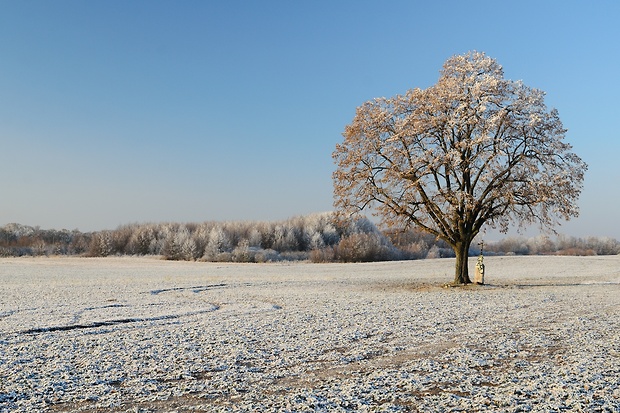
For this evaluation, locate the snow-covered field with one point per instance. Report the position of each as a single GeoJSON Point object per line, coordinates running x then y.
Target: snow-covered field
{"type": "Point", "coordinates": [141, 334]}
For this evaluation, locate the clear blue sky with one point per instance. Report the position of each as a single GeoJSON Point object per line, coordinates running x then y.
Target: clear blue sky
{"type": "Point", "coordinates": [113, 112]}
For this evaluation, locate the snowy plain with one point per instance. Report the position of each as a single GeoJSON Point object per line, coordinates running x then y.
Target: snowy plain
{"type": "Point", "coordinates": [145, 335]}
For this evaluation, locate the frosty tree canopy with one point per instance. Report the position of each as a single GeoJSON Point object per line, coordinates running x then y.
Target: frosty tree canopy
{"type": "Point", "coordinates": [474, 149]}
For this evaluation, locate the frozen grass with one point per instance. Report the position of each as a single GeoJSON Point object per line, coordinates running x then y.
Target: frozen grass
{"type": "Point", "coordinates": [141, 334]}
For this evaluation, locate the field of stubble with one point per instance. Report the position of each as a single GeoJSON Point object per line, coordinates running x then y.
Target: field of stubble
{"type": "Point", "coordinates": [145, 335]}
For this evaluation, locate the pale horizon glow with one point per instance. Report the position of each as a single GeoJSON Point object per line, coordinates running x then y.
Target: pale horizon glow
{"type": "Point", "coordinates": [119, 112]}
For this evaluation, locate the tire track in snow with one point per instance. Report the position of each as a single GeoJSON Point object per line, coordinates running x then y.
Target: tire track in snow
{"type": "Point", "coordinates": [78, 315]}
{"type": "Point", "coordinates": [201, 288]}
{"type": "Point", "coordinates": [6, 314]}
{"type": "Point", "coordinates": [119, 321]}
{"type": "Point", "coordinates": [196, 289]}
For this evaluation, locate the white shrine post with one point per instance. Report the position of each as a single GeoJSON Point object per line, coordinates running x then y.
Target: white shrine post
{"type": "Point", "coordinates": [479, 275]}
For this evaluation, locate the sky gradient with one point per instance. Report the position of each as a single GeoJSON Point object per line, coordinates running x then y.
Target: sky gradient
{"type": "Point", "coordinates": [114, 112]}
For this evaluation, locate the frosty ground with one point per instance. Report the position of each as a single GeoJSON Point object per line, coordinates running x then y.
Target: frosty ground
{"type": "Point", "coordinates": [142, 334]}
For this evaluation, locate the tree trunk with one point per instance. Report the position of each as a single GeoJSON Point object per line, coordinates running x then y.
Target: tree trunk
{"type": "Point", "coordinates": [461, 274]}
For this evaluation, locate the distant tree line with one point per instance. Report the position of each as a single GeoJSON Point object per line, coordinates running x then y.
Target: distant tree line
{"type": "Point", "coordinates": [18, 240]}
{"type": "Point", "coordinates": [316, 237]}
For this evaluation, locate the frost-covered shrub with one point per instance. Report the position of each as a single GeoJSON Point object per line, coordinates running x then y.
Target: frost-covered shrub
{"type": "Point", "coordinates": [201, 238]}
{"type": "Point", "coordinates": [541, 244]}
{"type": "Point", "coordinates": [120, 239]}
{"type": "Point", "coordinates": [218, 244]}
{"type": "Point", "coordinates": [293, 256]}
{"type": "Point", "coordinates": [363, 247]}
{"type": "Point", "coordinates": [316, 241]}
{"type": "Point", "coordinates": [80, 243]}
{"type": "Point", "coordinates": [574, 251]}
{"type": "Point", "coordinates": [140, 241]}
{"type": "Point", "coordinates": [171, 249]}
{"type": "Point", "coordinates": [416, 250]}
{"type": "Point", "coordinates": [221, 257]}
{"type": "Point", "coordinates": [433, 252]}
{"type": "Point", "coordinates": [285, 239]}
{"type": "Point", "coordinates": [179, 245]}
{"type": "Point", "coordinates": [101, 244]}
{"type": "Point", "coordinates": [326, 254]}
{"type": "Point", "coordinates": [516, 246]}
{"type": "Point", "coordinates": [242, 252]}
{"type": "Point", "coordinates": [255, 238]}
{"type": "Point", "coordinates": [267, 255]}
{"type": "Point", "coordinates": [437, 252]}
{"type": "Point", "coordinates": [189, 252]}
{"type": "Point", "coordinates": [603, 245]}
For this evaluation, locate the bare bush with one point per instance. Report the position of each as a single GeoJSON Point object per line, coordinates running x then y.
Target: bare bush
{"type": "Point", "coordinates": [101, 244]}
{"type": "Point", "coordinates": [326, 254]}
{"type": "Point", "coordinates": [365, 247]}
{"type": "Point", "coordinates": [574, 251]}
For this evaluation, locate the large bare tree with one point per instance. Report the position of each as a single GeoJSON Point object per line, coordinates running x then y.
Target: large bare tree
{"type": "Point", "coordinates": [474, 149]}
